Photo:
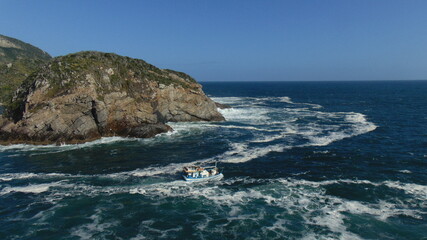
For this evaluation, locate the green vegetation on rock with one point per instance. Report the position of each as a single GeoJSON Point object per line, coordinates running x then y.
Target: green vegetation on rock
{"type": "Point", "coordinates": [74, 69]}
{"type": "Point", "coordinates": [108, 72]}
{"type": "Point", "coordinates": [87, 95]}
{"type": "Point", "coordinates": [17, 61]}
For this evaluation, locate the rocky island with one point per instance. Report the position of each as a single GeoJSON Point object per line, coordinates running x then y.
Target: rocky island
{"type": "Point", "coordinates": [87, 95]}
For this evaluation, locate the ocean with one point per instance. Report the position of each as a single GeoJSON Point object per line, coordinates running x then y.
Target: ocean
{"type": "Point", "coordinates": [301, 160]}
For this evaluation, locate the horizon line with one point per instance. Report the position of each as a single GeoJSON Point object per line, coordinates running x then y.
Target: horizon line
{"type": "Point", "coordinates": [369, 80]}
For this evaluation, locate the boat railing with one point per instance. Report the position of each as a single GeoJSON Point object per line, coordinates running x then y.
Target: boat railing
{"type": "Point", "coordinates": [198, 168]}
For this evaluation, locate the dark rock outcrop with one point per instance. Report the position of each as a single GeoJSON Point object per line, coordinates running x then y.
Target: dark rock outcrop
{"type": "Point", "coordinates": [87, 95]}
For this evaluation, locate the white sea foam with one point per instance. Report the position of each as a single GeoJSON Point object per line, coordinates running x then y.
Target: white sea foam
{"type": "Point", "coordinates": [243, 101]}
{"type": "Point", "coordinates": [410, 188]}
{"type": "Point", "coordinates": [243, 154]}
{"type": "Point", "coordinates": [15, 176]}
{"type": "Point", "coordinates": [322, 133]}
{"type": "Point", "coordinates": [315, 106]}
{"type": "Point", "coordinates": [285, 100]}
{"type": "Point", "coordinates": [12, 176]}
{"type": "Point", "coordinates": [289, 100]}
{"type": "Point", "coordinates": [96, 228]}
{"type": "Point", "coordinates": [62, 147]}
{"type": "Point", "coordinates": [326, 140]}
{"type": "Point", "coordinates": [250, 115]}
{"type": "Point", "coordinates": [359, 125]}
{"type": "Point", "coordinates": [228, 100]}
{"type": "Point", "coordinates": [240, 127]}
{"type": "Point", "coordinates": [32, 188]}
{"type": "Point", "coordinates": [24, 147]}
{"type": "Point", "coordinates": [285, 132]}
{"type": "Point", "coordinates": [321, 152]}
{"type": "Point", "coordinates": [172, 168]}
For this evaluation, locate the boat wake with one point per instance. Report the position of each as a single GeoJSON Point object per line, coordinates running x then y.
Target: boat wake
{"type": "Point", "coordinates": [239, 202]}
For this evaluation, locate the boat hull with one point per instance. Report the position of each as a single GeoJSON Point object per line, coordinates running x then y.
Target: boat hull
{"type": "Point", "coordinates": [216, 177]}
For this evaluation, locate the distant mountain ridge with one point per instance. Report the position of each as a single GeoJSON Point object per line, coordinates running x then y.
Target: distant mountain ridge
{"type": "Point", "coordinates": [17, 61]}
{"type": "Point", "coordinates": [12, 49]}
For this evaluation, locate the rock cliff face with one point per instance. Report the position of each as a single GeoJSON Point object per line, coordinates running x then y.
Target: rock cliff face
{"type": "Point", "coordinates": [87, 95]}
{"type": "Point", "coordinates": [17, 61]}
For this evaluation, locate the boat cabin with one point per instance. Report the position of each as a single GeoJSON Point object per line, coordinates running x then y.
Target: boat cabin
{"type": "Point", "coordinates": [200, 172]}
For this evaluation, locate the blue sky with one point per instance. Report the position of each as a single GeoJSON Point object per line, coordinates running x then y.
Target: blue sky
{"type": "Point", "coordinates": [230, 40]}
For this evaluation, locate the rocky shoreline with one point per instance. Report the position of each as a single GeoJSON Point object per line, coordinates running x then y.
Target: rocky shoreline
{"type": "Point", "coordinates": [88, 95]}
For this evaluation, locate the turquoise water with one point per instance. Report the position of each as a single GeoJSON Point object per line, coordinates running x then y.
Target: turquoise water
{"type": "Point", "coordinates": [313, 160]}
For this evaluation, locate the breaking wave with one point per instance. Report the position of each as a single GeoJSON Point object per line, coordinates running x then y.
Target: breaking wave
{"type": "Point", "coordinates": [51, 148]}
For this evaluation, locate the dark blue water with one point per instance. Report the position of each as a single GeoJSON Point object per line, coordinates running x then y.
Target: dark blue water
{"type": "Point", "coordinates": [302, 160]}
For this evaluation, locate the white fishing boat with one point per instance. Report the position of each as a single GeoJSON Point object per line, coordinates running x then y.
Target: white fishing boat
{"type": "Point", "coordinates": [197, 173]}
